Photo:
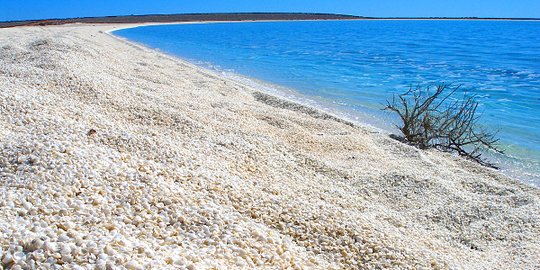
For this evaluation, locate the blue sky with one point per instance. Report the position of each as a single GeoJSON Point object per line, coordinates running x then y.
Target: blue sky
{"type": "Point", "coordinates": [42, 9]}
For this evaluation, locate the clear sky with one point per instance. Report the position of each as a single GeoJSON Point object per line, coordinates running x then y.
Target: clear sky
{"type": "Point", "coordinates": [45, 9]}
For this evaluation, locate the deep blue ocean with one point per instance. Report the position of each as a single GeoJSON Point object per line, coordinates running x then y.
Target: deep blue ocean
{"type": "Point", "coordinates": [351, 68]}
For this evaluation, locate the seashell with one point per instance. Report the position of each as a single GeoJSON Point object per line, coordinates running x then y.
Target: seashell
{"type": "Point", "coordinates": [109, 251]}
{"type": "Point", "coordinates": [91, 246]}
{"type": "Point", "coordinates": [242, 253]}
{"type": "Point", "coordinates": [109, 226]}
{"type": "Point", "coordinates": [17, 267]}
{"type": "Point", "coordinates": [49, 246]}
{"type": "Point", "coordinates": [26, 205]}
{"type": "Point", "coordinates": [103, 256]}
{"type": "Point", "coordinates": [167, 201]}
{"type": "Point", "coordinates": [22, 159]}
{"type": "Point", "coordinates": [35, 245]}
{"type": "Point", "coordinates": [66, 249]}
{"type": "Point", "coordinates": [132, 265]}
{"type": "Point", "coordinates": [76, 251]}
{"type": "Point", "coordinates": [8, 258]}
{"type": "Point", "coordinates": [63, 237]}
{"type": "Point", "coordinates": [33, 159]}
{"type": "Point", "coordinates": [101, 264]}
{"type": "Point", "coordinates": [110, 265]}
{"type": "Point", "coordinates": [18, 256]}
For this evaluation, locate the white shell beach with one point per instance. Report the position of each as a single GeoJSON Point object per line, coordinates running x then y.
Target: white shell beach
{"type": "Point", "coordinates": [113, 155]}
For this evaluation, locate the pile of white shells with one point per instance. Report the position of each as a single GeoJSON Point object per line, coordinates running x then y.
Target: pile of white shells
{"type": "Point", "coordinates": [118, 157]}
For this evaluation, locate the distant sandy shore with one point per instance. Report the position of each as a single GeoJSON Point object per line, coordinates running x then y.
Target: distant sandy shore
{"type": "Point", "coordinates": [230, 17]}
{"type": "Point", "coordinates": [112, 154]}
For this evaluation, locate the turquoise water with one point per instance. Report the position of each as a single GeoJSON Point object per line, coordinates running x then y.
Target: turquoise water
{"type": "Point", "coordinates": [352, 67]}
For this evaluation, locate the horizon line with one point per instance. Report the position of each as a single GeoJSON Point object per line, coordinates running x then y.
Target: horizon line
{"type": "Point", "coordinates": [350, 16]}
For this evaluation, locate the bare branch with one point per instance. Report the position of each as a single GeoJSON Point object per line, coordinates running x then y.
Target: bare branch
{"type": "Point", "coordinates": [432, 120]}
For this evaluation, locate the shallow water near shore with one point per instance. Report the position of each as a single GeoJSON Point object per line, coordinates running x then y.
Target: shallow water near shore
{"type": "Point", "coordinates": [352, 67]}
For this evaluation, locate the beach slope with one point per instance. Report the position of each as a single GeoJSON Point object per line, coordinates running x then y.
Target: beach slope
{"type": "Point", "coordinates": [112, 154]}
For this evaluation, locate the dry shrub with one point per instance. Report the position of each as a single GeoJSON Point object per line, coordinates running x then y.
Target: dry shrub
{"type": "Point", "coordinates": [436, 119]}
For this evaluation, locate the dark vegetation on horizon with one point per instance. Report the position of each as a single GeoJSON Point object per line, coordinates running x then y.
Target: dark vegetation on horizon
{"type": "Point", "coordinates": [252, 16]}
{"type": "Point", "coordinates": [439, 119]}
{"type": "Point", "coordinates": [165, 18]}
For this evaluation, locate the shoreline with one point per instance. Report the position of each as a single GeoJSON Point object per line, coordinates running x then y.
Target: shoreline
{"type": "Point", "coordinates": [164, 18]}
{"type": "Point", "coordinates": [229, 17]}
{"type": "Point", "coordinates": [145, 160]}
{"type": "Point", "coordinates": [278, 91]}
{"type": "Point", "coordinates": [360, 118]}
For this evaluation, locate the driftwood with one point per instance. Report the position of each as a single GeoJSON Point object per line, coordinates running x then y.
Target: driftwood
{"type": "Point", "coordinates": [435, 119]}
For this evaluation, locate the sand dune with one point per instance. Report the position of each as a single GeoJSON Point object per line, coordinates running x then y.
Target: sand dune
{"type": "Point", "coordinates": [113, 155]}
